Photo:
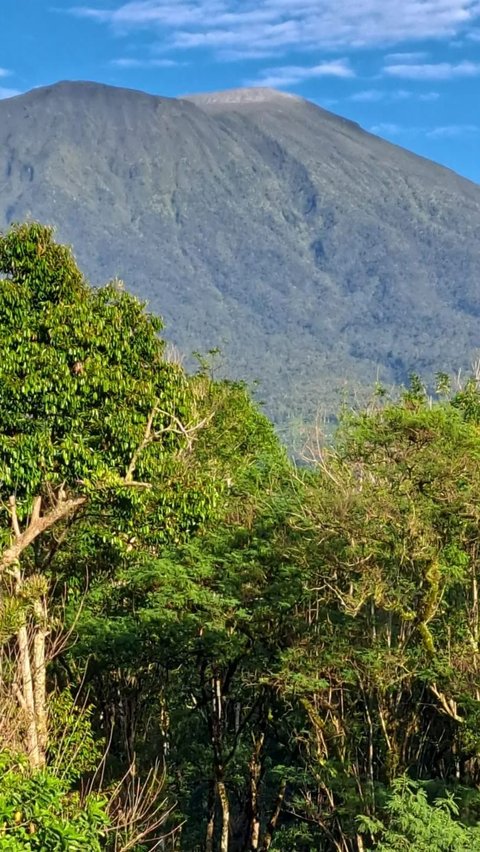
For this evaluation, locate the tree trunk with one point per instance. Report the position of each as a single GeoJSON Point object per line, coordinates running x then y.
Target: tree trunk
{"type": "Point", "coordinates": [28, 700]}
{"type": "Point", "coordinates": [272, 824]}
{"type": "Point", "coordinates": [255, 772]}
{"type": "Point", "coordinates": [223, 797]}
{"type": "Point", "coordinates": [210, 818]}
{"type": "Point", "coordinates": [39, 678]}
{"type": "Point", "coordinates": [218, 763]}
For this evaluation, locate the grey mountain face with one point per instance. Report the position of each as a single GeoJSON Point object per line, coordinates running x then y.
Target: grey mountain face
{"type": "Point", "coordinates": [312, 253]}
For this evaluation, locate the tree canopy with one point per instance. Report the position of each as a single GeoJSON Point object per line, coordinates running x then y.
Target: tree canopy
{"type": "Point", "coordinates": [202, 645]}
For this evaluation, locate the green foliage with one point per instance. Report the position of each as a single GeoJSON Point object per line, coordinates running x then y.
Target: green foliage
{"type": "Point", "coordinates": [73, 751]}
{"type": "Point", "coordinates": [39, 812]}
{"type": "Point", "coordinates": [37, 268]}
{"type": "Point", "coordinates": [290, 641]}
{"type": "Point", "coordinates": [412, 823]}
{"type": "Point", "coordinates": [81, 371]}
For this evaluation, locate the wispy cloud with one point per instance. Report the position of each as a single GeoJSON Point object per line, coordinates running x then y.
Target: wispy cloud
{"type": "Point", "coordinates": [4, 72]}
{"type": "Point", "coordinates": [449, 131]}
{"type": "Point", "coordinates": [438, 71]}
{"type": "Point", "coordinates": [429, 96]}
{"type": "Point", "coordinates": [231, 54]}
{"type": "Point", "coordinates": [291, 75]}
{"type": "Point", "coordinates": [168, 13]}
{"type": "Point", "coordinates": [387, 129]}
{"type": "Point", "coordinates": [368, 96]}
{"type": "Point", "coordinates": [8, 93]}
{"type": "Point", "coordinates": [271, 25]}
{"type": "Point", "coordinates": [416, 56]}
{"type": "Point", "coordinates": [453, 131]}
{"type": "Point", "coordinates": [130, 62]}
{"type": "Point", "coordinates": [377, 95]}
{"type": "Point", "coordinates": [266, 36]}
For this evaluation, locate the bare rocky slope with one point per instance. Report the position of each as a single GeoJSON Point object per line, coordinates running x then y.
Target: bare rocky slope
{"type": "Point", "coordinates": [312, 253]}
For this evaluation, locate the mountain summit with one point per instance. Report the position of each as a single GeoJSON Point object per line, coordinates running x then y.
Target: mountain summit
{"type": "Point", "coordinates": [311, 252]}
{"type": "Point", "coordinates": [255, 95]}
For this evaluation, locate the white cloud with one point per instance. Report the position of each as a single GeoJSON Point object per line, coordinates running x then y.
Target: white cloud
{"type": "Point", "coordinates": [4, 72]}
{"type": "Point", "coordinates": [368, 96]}
{"type": "Point", "coordinates": [129, 62]}
{"type": "Point", "coordinates": [401, 95]}
{"type": "Point", "coordinates": [269, 25]}
{"type": "Point", "coordinates": [168, 13]}
{"type": "Point", "coordinates": [453, 131]}
{"type": "Point", "coordinates": [245, 53]}
{"type": "Point", "coordinates": [8, 93]}
{"type": "Point", "coordinates": [290, 75]}
{"type": "Point", "coordinates": [387, 129]}
{"type": "Point", "coordinates": [271, 36]}
{"type": "Point", "coordinates": [449, 131]}
{"type": "Point", "coordinates": [417, 56]}
{"type": "Point", "coordinates": [376, 95]}
{"type": "Point", "coordinates": [439, 71]}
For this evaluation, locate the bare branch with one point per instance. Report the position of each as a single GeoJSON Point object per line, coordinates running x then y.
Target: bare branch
{"type": "Point", "coordinates": [139, 811]}
{"type": "Point", "coordinates": [147, 438]}
{"type": "Point", "coordinates": [37, 526]}
{"type": "Point", "coordinates": [64, 507]}
{"type": "Point", "coordinates": [448, 705]}
{"type": "Point", "coordinates": [150, 436]}
{"type": "Point", "coordinates": [186, 431]}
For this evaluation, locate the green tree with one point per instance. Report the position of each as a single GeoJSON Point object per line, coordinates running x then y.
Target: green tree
{"type": "Point", "coordinates": [92, 419]}
{"type": "Point", "coordinates": [112, 458]}
{"type": "Point", "coordinates": [38, 811]}
{"type": "Point", "coordinates": [387, 534]}
{"type": "Point", "coordinates": [413, 824]}
{"type": "Point", "coordinates": [184, 629]}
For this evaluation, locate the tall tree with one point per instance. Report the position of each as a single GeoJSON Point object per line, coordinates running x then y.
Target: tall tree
{"type": "Point", "coordinates": [93, 421]}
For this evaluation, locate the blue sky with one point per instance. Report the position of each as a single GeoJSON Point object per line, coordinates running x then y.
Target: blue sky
{"type": "Point", "coordinates": [408, 70]}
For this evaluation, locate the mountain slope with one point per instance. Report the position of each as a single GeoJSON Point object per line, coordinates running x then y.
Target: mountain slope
{"type": "Point", "coordinates": [309, 251]}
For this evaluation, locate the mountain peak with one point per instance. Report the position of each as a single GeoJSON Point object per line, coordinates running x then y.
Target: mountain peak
{"type": "Point", "coordinates": [254, 94]}
{"type": "Point", "coordinates": [310, 252]}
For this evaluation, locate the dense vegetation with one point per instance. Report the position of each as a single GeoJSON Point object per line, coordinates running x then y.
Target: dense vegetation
{"type": "Point", "coordinates": [204, 647]}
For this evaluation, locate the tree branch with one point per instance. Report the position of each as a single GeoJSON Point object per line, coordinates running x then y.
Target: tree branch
{"type": "Point", "coordinates": [147, 438]}
{"type": "Point", "coordinates": [448, 705]}
{"type": "Point", "coordinates": [38, 524]}
{"type": "Point", "coordinates": [151, 435]}
{"type": "Point", "coordinates": [36, 527]}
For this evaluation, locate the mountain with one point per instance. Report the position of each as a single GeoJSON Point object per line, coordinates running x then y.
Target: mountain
{"type": "Point", "coordinates": [312, 253]}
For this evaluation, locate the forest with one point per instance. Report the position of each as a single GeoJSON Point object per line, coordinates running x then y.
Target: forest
{"type": "Point", "coordinates": [205, 646]}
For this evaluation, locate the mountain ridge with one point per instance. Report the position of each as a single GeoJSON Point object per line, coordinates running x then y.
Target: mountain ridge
{"type": "Point", "coordinates": [311, 252]}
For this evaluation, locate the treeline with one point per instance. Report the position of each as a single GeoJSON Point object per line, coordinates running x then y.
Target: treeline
{"type": "Point", "coordinates": [202, 646]}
